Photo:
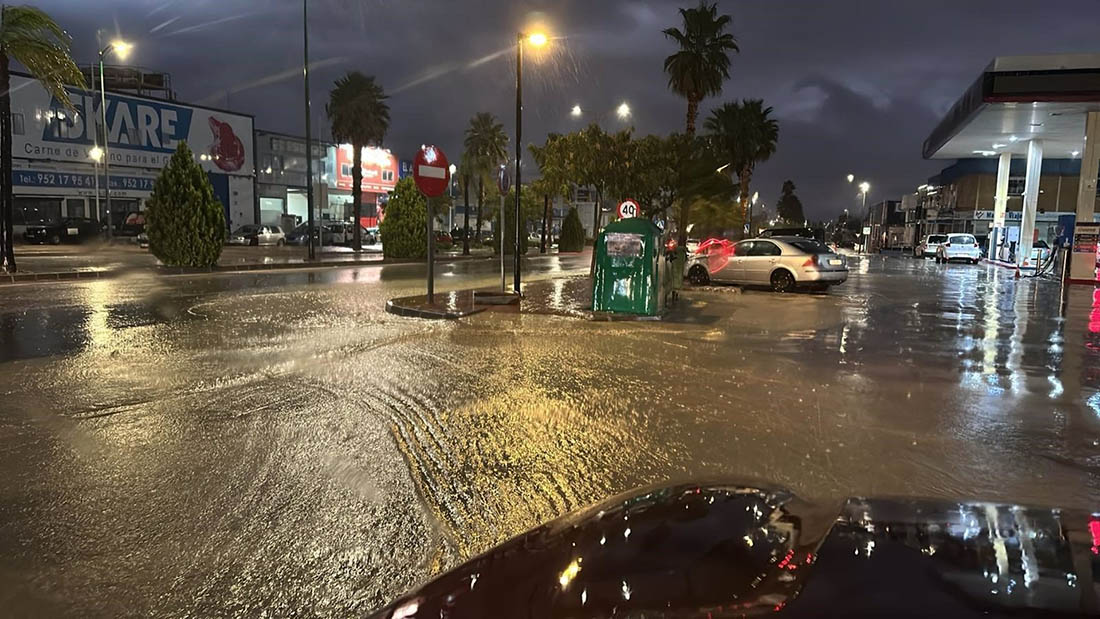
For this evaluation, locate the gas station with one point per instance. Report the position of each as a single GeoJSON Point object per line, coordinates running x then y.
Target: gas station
{"type": "Point", "coordinates": [1031, 107]}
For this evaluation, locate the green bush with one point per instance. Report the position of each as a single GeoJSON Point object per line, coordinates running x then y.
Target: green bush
{"type": "Point", "coordinates": [509, 236]}
{"type": "Point", "coordinates": [572, 232]}
{"type": "Point", "coordinates": [403, 228]}
{"type": "Point", "coordinates": [184, 221]}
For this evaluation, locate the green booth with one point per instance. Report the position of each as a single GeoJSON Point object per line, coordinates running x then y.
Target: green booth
{"type": "Point", "coordinates": [634, 272]}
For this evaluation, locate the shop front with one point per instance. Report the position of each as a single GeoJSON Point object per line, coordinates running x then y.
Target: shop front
{"type": "Point", "coordinates": [54, 175]}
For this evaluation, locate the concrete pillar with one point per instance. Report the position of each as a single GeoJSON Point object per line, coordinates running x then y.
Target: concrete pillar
{"type": "Point", "coordinates": [1031, 201]}
{"type": "Point", "coordinates": [1090, 161]}
{"type": "Point", "coordinates": [1000, 204]}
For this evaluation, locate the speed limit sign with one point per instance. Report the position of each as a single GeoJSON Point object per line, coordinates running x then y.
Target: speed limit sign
{"type": "Point", "coordinates": [628, 209]}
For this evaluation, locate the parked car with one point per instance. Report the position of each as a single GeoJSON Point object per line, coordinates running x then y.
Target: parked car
{"type": "Point", "coordinates": [959, 247]}
{"type": "Point", "coordinates": [782, 263]}
{"type": "Point", "coordinates": [806, 233]}
{"type": "Point", "coordinates": [1040, 252]}
{"type": "Point", "coordinates": [298, 236]}
{"type": "Point", "coordinates": [67, 230]}
{"type": "Point", "coordinates": [443, 240]}
{"type": "Point", "coordinates": [927, 249]}
{"type": "Point", "coordinates": [255, 234]}
{"type": "Point", "coordinates": [133, 225]}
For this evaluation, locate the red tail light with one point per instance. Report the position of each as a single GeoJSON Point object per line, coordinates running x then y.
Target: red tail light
{"type": "Point", "coordinates": [670, 245]}
{"type": "Point", "coordinates": [812, 261]}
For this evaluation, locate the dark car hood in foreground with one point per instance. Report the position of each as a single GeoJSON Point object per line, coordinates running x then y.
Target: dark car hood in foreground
{"type": "Point", "coordinates": [722, 550]}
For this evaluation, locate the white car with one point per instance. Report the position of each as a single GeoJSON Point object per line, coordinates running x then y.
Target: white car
{"type": "Point", "coordinates": [959, 247]}
{"type": "Point", "coordinates": [928, 248]}
{"type": "Point", "coordinates": [782, 263]}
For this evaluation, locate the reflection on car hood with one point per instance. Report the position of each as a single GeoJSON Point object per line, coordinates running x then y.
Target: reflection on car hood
{"type": "Point", "coordinates": [726, 550]}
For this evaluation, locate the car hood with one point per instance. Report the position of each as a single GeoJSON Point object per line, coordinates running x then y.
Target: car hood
{"type": "Point", "coordinates": [732, 549]}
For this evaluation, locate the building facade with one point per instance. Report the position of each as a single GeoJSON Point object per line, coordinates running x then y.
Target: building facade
{"type": "Point", "coordinates": [54, 175]}
{"type": "Point", "coordinates": [961, 198]}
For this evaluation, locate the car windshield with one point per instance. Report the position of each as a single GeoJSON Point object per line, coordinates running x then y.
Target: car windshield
{"type": "Point", "coordinates": [250, 229]}
{"type": "Point", "coordinates": [962, 239]}
{"type": "Point", "coordinates": [937, 238]}
{"type": "Point", "coordinates": [1041, 245]}
{"type": "Point", "coordinates": [810, 247]}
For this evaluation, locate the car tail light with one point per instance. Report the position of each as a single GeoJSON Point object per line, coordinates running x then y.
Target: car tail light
{"type": "Point", "coordinates": [812, 261]}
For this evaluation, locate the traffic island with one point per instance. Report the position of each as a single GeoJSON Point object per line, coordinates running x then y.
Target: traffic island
{"type": "Point", "coordinates": [571, 297]}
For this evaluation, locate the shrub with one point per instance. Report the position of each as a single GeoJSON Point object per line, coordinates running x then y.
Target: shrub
{"type": "Point", "coordinates": [572, 232]}
{"type": "Point", "coordinates": [184, 221]}
{"type": "Point", "coordinates": [403, 228]}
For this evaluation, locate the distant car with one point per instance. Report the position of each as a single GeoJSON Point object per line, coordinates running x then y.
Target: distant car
{"type": "Point", "coordinates": [133, 225]}
{"type": "Point", "coordinates": [782, 263]}
{"type": "Point", "coordinates": [1040, 252]}
{"type": "Point", "coordinates": [927, 249]}
{"type": "Point", "coordinates": [959, 247]}
{"type": "Point", "coordinates": [806, 233]}
{"type": "Point", "coordinates": [68, 230]}
{"type": "Point", "coordinates": [256, 234]}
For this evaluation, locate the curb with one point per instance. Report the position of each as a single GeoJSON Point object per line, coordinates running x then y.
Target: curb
{"type": "Point", "coordinates": [412, 312]}
{"type": "Point", "coordinates": [18, 278]}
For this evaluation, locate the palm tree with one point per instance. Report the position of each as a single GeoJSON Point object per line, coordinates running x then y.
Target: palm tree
{"type": "Point", "coordinates": [358, 112]}
{"type": "Point", "coordinates": [466, 166]}
{"type": "Point", "coordinates": [698, 69]}
{"type": "Point", "coordinates": [486, 148]}
{"type": "Point", "coordinates": [30, 37]}
{"type": "Point", "coordinates": [746, 134]}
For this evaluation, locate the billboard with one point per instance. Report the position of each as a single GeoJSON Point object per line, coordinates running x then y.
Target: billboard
{"type": "Point", "coordinates": [379, 169]}
{"type": "Point", "coordinates": [142, 132]}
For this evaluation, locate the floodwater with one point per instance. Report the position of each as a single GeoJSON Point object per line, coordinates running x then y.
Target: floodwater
{"type": "Point", "coordinates": [275, 442]}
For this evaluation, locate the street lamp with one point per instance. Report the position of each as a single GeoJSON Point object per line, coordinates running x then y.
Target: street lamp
{"type": "Point", "coordinates": [536, 39]}
{"type": "Point", "coordinates": [576, 111]}
{"type": "Point", "coordinates": [96, 155]}
{"type": "Point", "coordinates": [121, 49]}
{"type": "Point", "coordinates": [864, 187]}
{"type": "Point", "coordinates": [623, 111]}
{"type": "Point", "coordinates": [851, 177]}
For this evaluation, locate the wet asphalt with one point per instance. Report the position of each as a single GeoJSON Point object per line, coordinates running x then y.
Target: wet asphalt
{"type": "Point", "coordinates": [236, 444]}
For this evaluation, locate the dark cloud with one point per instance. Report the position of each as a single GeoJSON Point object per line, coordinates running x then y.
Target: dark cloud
{"type": "Point", "coordinates": [856, 85]}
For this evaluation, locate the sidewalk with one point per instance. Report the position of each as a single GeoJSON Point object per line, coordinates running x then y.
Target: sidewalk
{"type": "Point", "coordinates": [46, 263]}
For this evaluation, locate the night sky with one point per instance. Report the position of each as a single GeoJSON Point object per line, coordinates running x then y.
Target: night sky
{"type": "Point", "coordinates": [855, 85]}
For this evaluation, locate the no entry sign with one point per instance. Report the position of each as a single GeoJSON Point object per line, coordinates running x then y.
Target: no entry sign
{"type": "Point", "coordinates": [431, 171]}
{"type": "Point", "coordinates": [628, 209]}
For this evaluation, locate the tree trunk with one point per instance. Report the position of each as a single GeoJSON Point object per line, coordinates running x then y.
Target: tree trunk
{"type": "Point", "coordinates": [545, 223]}
{"type": "Point", "coordinates": [595, 229]}
{"type": "Point", "coordinates": [693, 111]}
{"type": "Point", "coordinates": [480, 199]}
{"type": "Point", "coordinates": [682, 224]}
{"type": "Point", "coordinates": [356, 195]}
{"type": "Point", "coordinates": [7, 206]}
{"type": "Point", "coordinates": [466, 215]}
{"type": "Point", "coordinates": [743, 179]}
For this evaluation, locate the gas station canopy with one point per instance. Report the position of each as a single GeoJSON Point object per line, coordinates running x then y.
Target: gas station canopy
{"type": "Point", "coordinates": [1017, 99]}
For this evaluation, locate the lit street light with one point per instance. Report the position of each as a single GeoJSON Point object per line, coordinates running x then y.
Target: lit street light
{"type": "Point", "coordinates": [851, 177]}
{"type": "Point", "coordinates": [864, 187]}
{"type": "Point", "coordinates": [96, 155]}
{"type": "Point", "coordinates": [623, 111]}
{"type": "Point", "coordinates": [576, 111]}
{"type": "Point", "coordinates": [122, 50]}
{"type": "Point", "coordinates": [536, 39]}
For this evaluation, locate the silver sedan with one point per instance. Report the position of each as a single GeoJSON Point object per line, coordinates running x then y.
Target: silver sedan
{"type": "Point", "coordinates": [782, 263]}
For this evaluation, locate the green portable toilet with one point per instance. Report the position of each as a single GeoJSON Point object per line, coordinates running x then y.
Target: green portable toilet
{"type": "Point", "coordinates": [628, 254]}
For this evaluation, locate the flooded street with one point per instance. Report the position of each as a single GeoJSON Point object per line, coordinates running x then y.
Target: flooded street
{"type": "Point", "coordinates": [238, 443]}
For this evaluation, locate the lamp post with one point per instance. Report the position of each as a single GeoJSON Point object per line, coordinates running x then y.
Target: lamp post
{"type": "Point", "coordinates": [121, 49]}
{"type": "Point", "coordinates": [95, 154]}
{"type": "Point", "coordinates": [536, 39]}
{"type": "Point", "coordinates": [622, 112]}
{"type": "Point", "coordinates": [864, 187]}
{"type": "Point", "coordinates": [309, 137]}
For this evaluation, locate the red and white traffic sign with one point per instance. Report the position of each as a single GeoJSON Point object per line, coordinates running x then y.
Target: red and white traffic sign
{"type": "Point", "coordinates": [431, 171]}
{"type": "Point", "coordinates": [628, 209]}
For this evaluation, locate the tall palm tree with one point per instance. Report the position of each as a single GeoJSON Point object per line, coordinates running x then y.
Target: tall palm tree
{"type": "Point", "coordinates": [30, 37]}
{"type": "Point", "coordinates": [486, 148]}
{"type": "Point", "coordinates": [746, 134]}
{"type": "Point", "coordinates": [358, 112]}
{"type": "Point", "coordinates": [702, 63]}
